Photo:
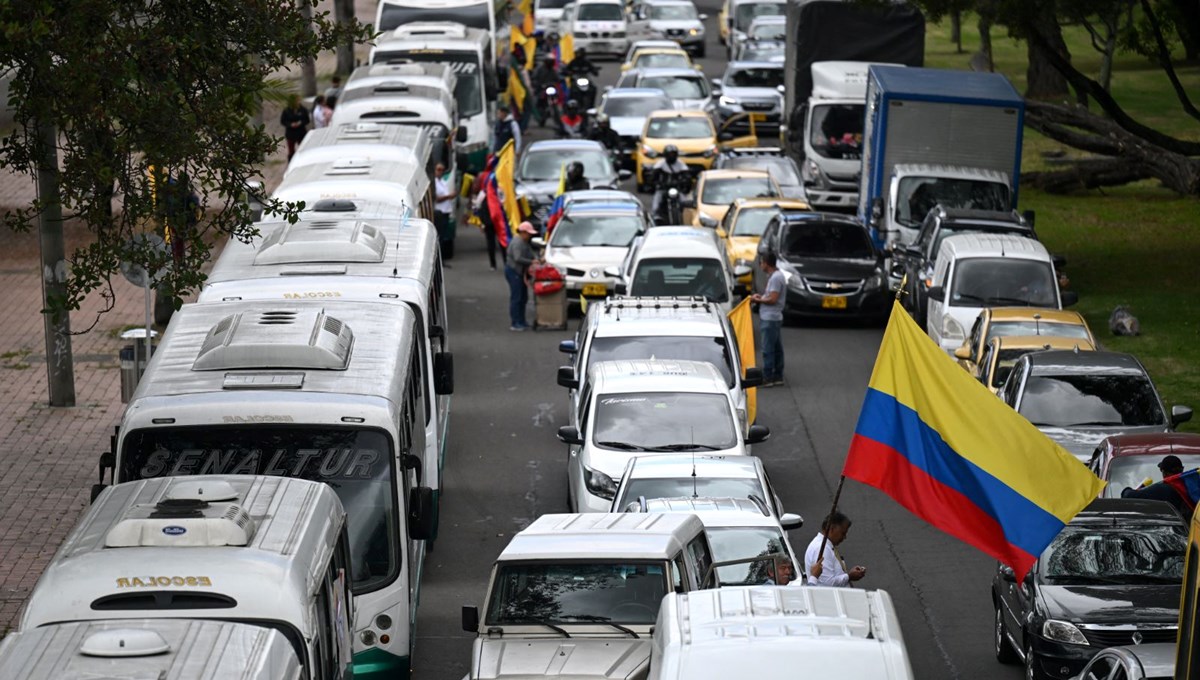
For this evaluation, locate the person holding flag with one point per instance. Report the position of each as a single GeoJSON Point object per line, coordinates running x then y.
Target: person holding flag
{"type": "Point", "coordinates": [770, 316]}
{"type": "Point", "coordinates": [1180, 489]}
{"type": "Point", "coordinates": [822, 562]}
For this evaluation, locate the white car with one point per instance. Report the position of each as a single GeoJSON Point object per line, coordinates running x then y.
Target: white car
{"type": "Point", "coordinates": [598, 26]}
{"type": "Point", "coordinates": [675, 20]}
{"type": "Point", "coordinates": [546, 14]}
{"type": "Point", "coordinates": [647, 478]}
{"type": "Point", "coordinates": [975, 271]}
{"type": "Point", "coordinates": [589, 238]}
{"type": "Point", "coordinates": [645, 407]}
{"type": "Point", "coordinates": [679, 261]}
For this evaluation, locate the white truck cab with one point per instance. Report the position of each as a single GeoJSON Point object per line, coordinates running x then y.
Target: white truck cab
{"type": "Point", "coordinates": [755, 631]}
{"type": "Point", "coordinates": [577, 595]}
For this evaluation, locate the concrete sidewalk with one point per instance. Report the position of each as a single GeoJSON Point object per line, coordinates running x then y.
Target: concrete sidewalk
{"type": "Point", "coordinates": [48, 456]}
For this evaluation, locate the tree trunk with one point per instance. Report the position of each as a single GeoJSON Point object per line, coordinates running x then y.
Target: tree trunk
{"type": "Point", "coordinates": [345, 52]}
{"type": "Point", "coordinates": [60, 364]}
{"type": "Point", "coordinates": [985, 35]}
{"type": "Point", "coordinates": [1186, 15]}
{"type": "Point", "coordinates": [956, 30]}
{"type": "Point", "coordinates": [308, 67]}
{"type": "Point", "coordinates": [1084, 175]}
{"type": "Point", "coordinates": [1106, 59]}
{"type": "Point", "coordinates": [1043, 80]}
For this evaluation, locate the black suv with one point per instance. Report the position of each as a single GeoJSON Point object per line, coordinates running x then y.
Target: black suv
{"type": "Point", "coordinates": [917, 260]}
{"type": "Point", "coordinates": [1112, 577]}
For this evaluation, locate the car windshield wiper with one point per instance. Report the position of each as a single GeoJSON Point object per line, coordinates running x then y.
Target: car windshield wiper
{"type": "Point", "coordinates": [604, 620]}
{"type": "Point", "coordinates": [535, 622]}
{"type": "Point", "coordinates": [962, 297]}
{"type": "Point", "coordinates": [1009, 301]}
{"type": "Point", "coordinates": [624, 446]}
{"type": "Point", "coordinates": [684, 447]}
{"type": "Point", "coordinates": [1089, 578]}
{"type": "Point", "coordinates": [1096, 423]}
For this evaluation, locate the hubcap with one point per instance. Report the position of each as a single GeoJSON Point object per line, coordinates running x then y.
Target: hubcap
{"type": "Point", "coordinates": [1029, 662]}
{"type": "Point", "coordinates": [999, 632]}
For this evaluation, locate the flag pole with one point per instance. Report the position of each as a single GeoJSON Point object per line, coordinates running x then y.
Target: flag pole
{"type": "Point", "coordinates": [816, 568]}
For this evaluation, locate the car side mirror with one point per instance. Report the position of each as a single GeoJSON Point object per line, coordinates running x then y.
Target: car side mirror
{"type": "Point", "coordinates": [567, 347]}
{"type": "Point", "coordinates": [758, 434]}
{"type": "Point", "coordinates": [566, 377]}
{"type": "Point", "coordinates": [538, 242]}
{"type": "Point", "coordinates": [1180, 415]}
{"type": "Point", "coordinates": [421, 516]}
{"type": "Point", "coordinates": [790, 521]}
{"type": "Point", "coordinates": [614, 272]}
{"type": "Point", "coordinates": [742, 270]}
{"type": "Point", "coordinates": [937, 293]}
{"type": "Point", "coordinates": [1006, 573]}
{"type": "Point", "coordinates": [876, 209]}
{"type": "Point", "coordinates": [963, 352]}
{"type": "Point", "coordinates": [460, 135]}
{"type": "Point", "coordinates": [725, 136]}
{"type": "Point", "coordinates": [569, 434]}
{"type": "Point", "coordinates": [781, 89]}
{"type": "Point", "coordinates": [1059, 261]}
{"type": "Point", "coordinates": [754, 378]}
{"type": "Point", "coordinates": [706, 221]}
{"type": "Point", "coordinates": [1069, 298]}
{"type": "Point", "coordinates": [470, 619]}
{"type": "Point", "coordinates": [443, 373]}
{"type": "Point", "coordinates": [624, 174]}
{"type": "Point", "coordinates": [1030, 217]}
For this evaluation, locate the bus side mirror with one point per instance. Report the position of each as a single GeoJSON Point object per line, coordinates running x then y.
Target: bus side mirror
{"type": "Point", "coordinates": [421, 513]}
{"type": "Point", "coordinates": [460, 135]}
{"type": "Point", "coordinates": [443, 373]}
{"type": "Point", "coordinates": [566, 377]}
{"type": "Point", "coordinates": [108, 462]}
{"type": "Point", "coordinates": [97, 489]}
{"type": "Point", "coordinates": [470, 619]}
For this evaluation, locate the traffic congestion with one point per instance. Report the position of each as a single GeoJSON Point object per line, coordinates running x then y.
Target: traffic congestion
{"type": "Point", "coordinates": [555, 372]}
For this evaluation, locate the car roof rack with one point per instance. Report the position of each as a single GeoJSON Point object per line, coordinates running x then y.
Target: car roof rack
{"type": "Point", "coordinates": [755, 151]}
{"type": "Point", "coordinates": [692, 302]}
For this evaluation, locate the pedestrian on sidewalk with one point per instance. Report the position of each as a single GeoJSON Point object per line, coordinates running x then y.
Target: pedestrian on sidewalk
{"type": "Point", "coordinates": [517, 261]}
{"type": "Point", "coordinates": [335, 88]}
{"type": "Point", "coordinates": [320, 113]}
{"type": "Point", "coordinates": [443, 209]}
{"type": "Point", "coordinates": [770, 317]}
{"type": "Point", "coordinates": [295, 120]}
{"type": "Point", "coordinates": [829, 569]}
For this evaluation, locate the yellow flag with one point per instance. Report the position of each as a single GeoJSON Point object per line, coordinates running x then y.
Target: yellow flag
{"type": "Point", "coordinates": [505, 167]}
{"type": "Point", "coordinates": [743, 329]}
{"type": "Point", "coordinates": [516, 91]}
{"type": "Point", "coordinates": [566, 48]}
{"type": "Point", "coordinates": [530, 51]}
{"type": "Point", "coordinates": [527, 24]}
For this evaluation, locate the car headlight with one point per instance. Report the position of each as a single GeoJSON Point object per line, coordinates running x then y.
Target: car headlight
{"type": "Point", "coordinates": [599, 484]}
{"type": "Point", "coordinates": [696, 31]}
{"type": "Point", "coordinates": [710, 151]}
{"type": "Point", "coordinates": [727, 101]}
{"type": "Point", "coordinates": [1063, 631]}
{"type": "Point", "coordinates": [875, 282]}
{"type": "Point", "coordinates": [952, 330]}
{"type": "Point", "coordinates": [649, 152]}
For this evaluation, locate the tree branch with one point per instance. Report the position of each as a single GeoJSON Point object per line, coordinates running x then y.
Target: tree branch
{"type": "Point", "coordinates": [1164, 60]}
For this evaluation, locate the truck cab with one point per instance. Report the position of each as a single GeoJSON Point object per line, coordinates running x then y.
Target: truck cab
{"type": "Point", "coordinates": [833, 134]}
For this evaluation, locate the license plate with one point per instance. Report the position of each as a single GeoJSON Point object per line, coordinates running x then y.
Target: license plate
{"type": "Point", "coordinates": [595, 289]}
{"type": "Point", "coordinates": [833, 302]}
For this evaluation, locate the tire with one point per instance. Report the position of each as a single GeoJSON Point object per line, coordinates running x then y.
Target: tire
{"type": "Point", "coordinates": [1031, 670]}
{"type": "Point", "coordinates": [1003, 649]}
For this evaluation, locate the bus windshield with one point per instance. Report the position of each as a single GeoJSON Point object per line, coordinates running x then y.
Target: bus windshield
{"type": "Point", "coordinates": [468, 91]}
{"type": "Point", "coordinates": [393, 15]}
{"type": "Point", "coordinates": [356, 462]}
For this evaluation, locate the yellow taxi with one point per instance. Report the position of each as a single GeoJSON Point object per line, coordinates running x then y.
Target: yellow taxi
{"type": "Point", "coordinates": [659, 57]}
{"type": "Point", "coordinates": [745, 222]}
{"type": "Point", "coordinates": [1002, 352]}
{"type": "Point", "coordinates": [1012, 321]}
{"type": "Point", "coordinates": [716, 189]}
{"type": "Point", "coordinates": [692, 132]}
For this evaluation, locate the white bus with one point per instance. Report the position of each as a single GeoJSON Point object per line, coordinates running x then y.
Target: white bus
{"type": "Point", "coordinates": [330, 392]}
{"type": "Point", "coordinates": [436, 75]}
{"type": "Point", "coordinates": [409, 144]}
{"type": "Point", "coordinates": [267, 551]}
{"type": "Point", "coordinates": [135, 649]}
{"type": "Point", "coordinates": [471, 54]}
{"type": "Point", "coordinates": [405, 185]}
{"type": "Point", "coordinates": [346, 258]}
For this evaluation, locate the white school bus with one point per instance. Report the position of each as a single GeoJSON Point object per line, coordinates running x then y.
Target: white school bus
{"type": "Point", "coordinates": [330, 392]}
{"type": "Point", "coordinates": [267, 551]}
{"type": "Point", "coordinates": [164, 649]}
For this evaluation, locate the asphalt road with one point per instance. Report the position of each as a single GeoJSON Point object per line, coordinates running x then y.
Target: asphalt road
{"type": "Point", "coordinates": [505, 468]}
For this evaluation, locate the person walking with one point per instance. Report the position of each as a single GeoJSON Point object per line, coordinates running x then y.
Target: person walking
{"type": "Point", "coordinates": [770, 317]}
{"type": "Point", "coordinates": [828, 569]}
{"type": "Point", "coordinates": [295, 120]}
{"type": "Point", "coordinates": [517, 260]}
{"type": "Point", "coordinates": [443, 209]}
{"type": "Point", "coordinates": [481, 210]}
{"type": "Point", "coordinates": [320, 114]}
{"type": "Point", "coordinates": [506, 128]}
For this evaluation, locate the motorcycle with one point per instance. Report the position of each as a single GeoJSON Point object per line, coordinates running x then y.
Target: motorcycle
{"type": "Point", "coordinates": [670, 207]}
{"type": "Point", "coordinates": [583, 90]}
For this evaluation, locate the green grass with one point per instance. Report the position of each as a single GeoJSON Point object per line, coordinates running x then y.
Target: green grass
{"type": "Point", "coordinates": [1137, 245]}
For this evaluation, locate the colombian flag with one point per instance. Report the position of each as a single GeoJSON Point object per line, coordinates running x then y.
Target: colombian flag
{"type": "Point", "coordinates": [943, 446]}
{"type": "Point", "coordinates": [559, 205]}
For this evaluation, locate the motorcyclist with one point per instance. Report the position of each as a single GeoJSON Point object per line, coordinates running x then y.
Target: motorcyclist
{"type": "Point", "coordinates": [544, 76]}
{"type": "Point", "coordinates": [580, 67]}
{"type": "Point", "coordinates": [571, 124]}
{"type": "Point", "coordinates": [669, 172]}
{"type": "Point", "coordinates": [575, 180]}
{"type": "Point", "coordinates": [602, 132]}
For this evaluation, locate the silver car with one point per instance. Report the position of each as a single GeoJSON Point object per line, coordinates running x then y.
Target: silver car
{"type": "Point", "coordinates": [627, 110]}
{"type": "Point", "coordinates": [686, 87]}
{"type": "Point", "coordinates": [675, 20]}
{"type": "Point", "coordinates": [751, 87]}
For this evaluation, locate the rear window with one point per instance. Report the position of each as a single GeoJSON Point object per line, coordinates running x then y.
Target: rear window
{"type": "Point", "coordinates": [712, 349]}
{"type": "Point", "coordinates": [680, 277]}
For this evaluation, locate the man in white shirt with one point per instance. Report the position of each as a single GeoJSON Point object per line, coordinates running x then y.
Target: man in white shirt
{"type": "Point", "coordinates": [443, 209]}
{"type": "Point", "coordinates": [829, 570]}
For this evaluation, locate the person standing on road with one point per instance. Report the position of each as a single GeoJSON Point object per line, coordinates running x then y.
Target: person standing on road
{"type": "Point", "coordinates": [770, 316]}
{"type": "Point", "coordinates": [506, 128]}
{"type": "Point", "coordinates": [517, 260]}
{"type": "Point", "coordinates": [294, 120]}
{"type": "Point", "coordinates": [443, 209]}
{"type": "Point", "coordinates": [829, 570]}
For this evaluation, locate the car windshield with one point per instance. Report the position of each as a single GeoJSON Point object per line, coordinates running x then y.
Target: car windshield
{"type": "Point", "coordinates": [688, 487]}
{"type": "Point", "coordinates": [768, 31]}
{"type": "Point", "coordinates": [1132, 471]}
{"type": "Point", "coordinates": [600, 11]}
{"type": "Point", "coordinates": [354, 461]}
{"type": "Point", "coordinates": [714, 350]}
{"type": "Point", "coordinates": [680, 276]}
{"type": "Point", "coordinates": [681, 421]}
{"type": "Point", "coordinates": [761, 51]}
{"type": "Point", "coordinates": [573, 592]}
{"type": "Point", "coordinates": [918, 195]}
{"type": "Point", "coordinates": [678, 87]}
{"type": "Point", "coordinates": [838, 240]}
{"type": "Point", "coordinates": [615, 231]}
{"type": "Point", "coordinates": [947, 231]}
{"type": "Point", "coordinates": [680, 127]}
{"type": "Point", "coordinates": [634, 107]}
{"type": "Point", "coordinates": [992, 281]}
{"type": "Point", "coordinates": [739, 543]}
{"type": "Point", "coordinates": [1004, 329]}
{"type": "Point", "coordinates": [674, 12]}
{"type": "Point", "coordinates": [723, 191]}
{"type": "Point", "coordinates": [753, 221]}
{"type": "Point", "coordinates": [663, 60]}
{"type": "Point", "coordinates": [1122, 556]}
{"type": "Point", "coordinates": [837, 131]}
{"type": "Point", "coordinates": [547, 164]}
{"type": "Point", "coordinates": [754, 77]}
{"type": "Point", "coordinates": [1078, 400]}
{"type": "Point", "coordinates": [747, 12]}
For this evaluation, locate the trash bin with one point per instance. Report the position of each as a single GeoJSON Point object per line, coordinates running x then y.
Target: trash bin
{"type": "Point", "coordinates": [133, 360]}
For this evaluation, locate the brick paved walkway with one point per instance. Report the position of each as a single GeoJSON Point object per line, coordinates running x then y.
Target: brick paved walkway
{"type": "Point", "coordinates": [48, 456]}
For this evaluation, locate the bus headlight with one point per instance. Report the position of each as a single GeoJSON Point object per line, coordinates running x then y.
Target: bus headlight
{"type": "Point", "coordinates": [367, 637]}
{"type": "Point", "coordinates": [383, 622]}
{"type": "Point", "coordinates": [599, 484]}
{"type": "Point", "coordinates": [1063, 631]}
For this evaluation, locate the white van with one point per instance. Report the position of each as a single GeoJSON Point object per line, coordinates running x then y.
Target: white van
{"type": "Point", "coordinates": [681, 262]}
{"type": "Point", "coordinates": [327, 391]}
{"type": "Point", "coordinates": [344, 258]}
{"type": "Point", "coordinates": [600, 27]}
{"type": "Point", "coordinates": [546, 14]}
{"type": "Point", "coordinates": [976, 271]}
{"type": "Point", "coordinates": [163, 649]}
{"type": "Point", "coordinates": [595, 579]}
{"type": "Point", "coordinates": [412, 145]}
{"type": "Point", "coordinates": [755, 631]}
{"type": "Point", "coordinates": [470, 53]}
{"type": "Point", "coordinates": [406, 186]}
{"type": "Point", "coordinates": [646, 407]}
{"type": "Point", "coordinates": [268, 551]}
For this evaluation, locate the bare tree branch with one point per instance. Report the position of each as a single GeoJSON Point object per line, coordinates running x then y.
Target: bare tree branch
{"type": "Point", "coordinates": [1164, 60]}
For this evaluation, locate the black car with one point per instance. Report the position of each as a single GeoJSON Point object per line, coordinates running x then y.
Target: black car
{"type": "Point", "coordinates": [917, 260]}
{"type": "Point", "coordinates": [1112, 577]}
{"type": "Point", "coordinates": [831, 265]}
